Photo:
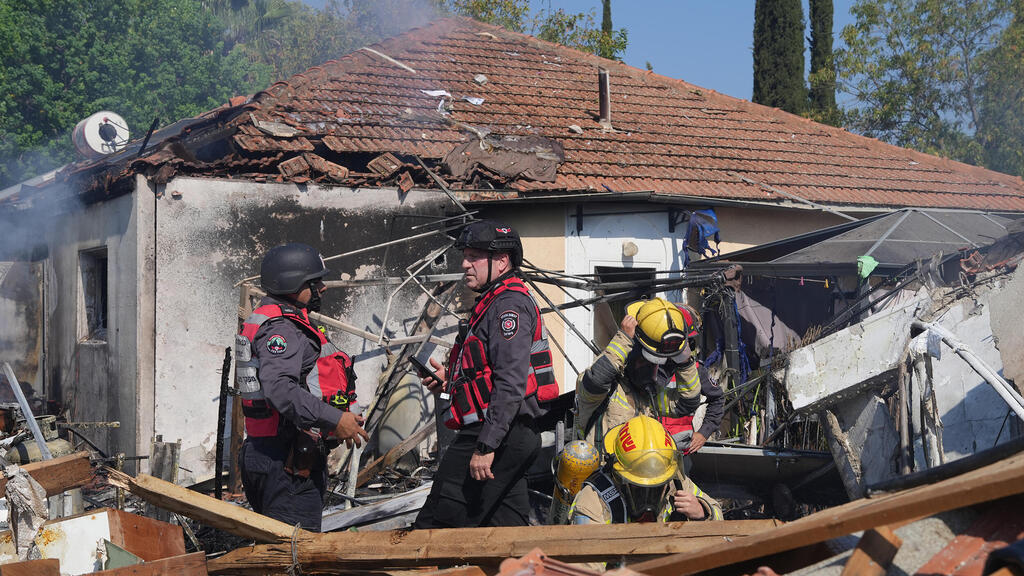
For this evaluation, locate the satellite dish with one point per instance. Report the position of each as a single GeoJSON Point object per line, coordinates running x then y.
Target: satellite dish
{"type": "Point", "coordinates": [100, 134]}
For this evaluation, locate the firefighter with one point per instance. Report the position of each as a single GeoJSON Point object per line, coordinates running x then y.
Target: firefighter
{"type": "Point", "coordinates": [648, 368]}
{"type": "Point", "coordinates": [296, 389]}
{"type": "Point", "coordinates": [643, 483]}
{"type": "Point", "coordinates": [493, 389]}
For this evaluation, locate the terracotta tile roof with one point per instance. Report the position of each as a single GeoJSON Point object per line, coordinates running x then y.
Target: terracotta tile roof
{"type": "Point", "coordinates": [671, 137]}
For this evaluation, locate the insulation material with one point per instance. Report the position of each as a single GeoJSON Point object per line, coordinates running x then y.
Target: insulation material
{"type": "Point", "coordinates": [26, 500]}
{"type": "Point", "coordinates": [532, 157]}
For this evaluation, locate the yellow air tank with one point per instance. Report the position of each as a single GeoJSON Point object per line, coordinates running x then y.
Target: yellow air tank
{"type": "Point", "coordinates": [576, 462]}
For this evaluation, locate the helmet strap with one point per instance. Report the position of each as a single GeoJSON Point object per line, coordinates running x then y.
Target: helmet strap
{"type": "Point", "coordinates": [314, 298]}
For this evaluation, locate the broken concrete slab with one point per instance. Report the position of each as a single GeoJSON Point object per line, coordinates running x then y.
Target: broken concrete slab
{"type": "Point", "coordinates": [1009, 338]}
{"type": "Point", "coordinates": [840, 365]}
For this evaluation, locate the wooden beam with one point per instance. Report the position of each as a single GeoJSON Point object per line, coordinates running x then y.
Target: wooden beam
{"type": "Point", "coordinates": [58, 474]}
{"type": "Point", "coordinates": [342, 552]}
{"type": "Point", "coordinates": [46, 567]}
{"type": "Point", "coordinates": [874, 553]}
{"type": "Point", "coordinates": [987, 483]}
{"type": "Point", "coordinates": [396, 452]}
{"type": "Point", "coordinates": [207, 510]}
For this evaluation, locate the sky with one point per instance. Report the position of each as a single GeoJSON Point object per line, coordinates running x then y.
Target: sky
{"type": "Point", "coordinates": [704, 42]}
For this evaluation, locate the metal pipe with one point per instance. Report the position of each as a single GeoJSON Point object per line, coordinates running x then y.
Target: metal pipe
{"type": "Point", "coordinates": [604, 98]}
{"type": "Point", "coordinates": [1002, 387]}
{"type": "Point", "coordinates": [26, 410]}
{"type": "Point", "coordinates": [590, 343]}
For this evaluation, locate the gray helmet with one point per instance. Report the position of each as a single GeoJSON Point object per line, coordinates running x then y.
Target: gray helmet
{"type": "Point", "coordinates": [492, 237]}
{"type": "Point", "coordinates": [287, 268]}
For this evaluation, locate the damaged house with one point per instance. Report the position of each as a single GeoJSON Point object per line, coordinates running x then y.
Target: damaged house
{"type": "Point", "coordinates": [125, 281]}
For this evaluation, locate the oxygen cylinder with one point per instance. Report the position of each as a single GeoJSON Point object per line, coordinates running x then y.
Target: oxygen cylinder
{"type": "Point", "coordinates": [576, 462]}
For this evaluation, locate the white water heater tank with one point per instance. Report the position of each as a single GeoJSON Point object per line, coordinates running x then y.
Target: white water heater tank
{"type": "Point", "coordinates": [100, 134]}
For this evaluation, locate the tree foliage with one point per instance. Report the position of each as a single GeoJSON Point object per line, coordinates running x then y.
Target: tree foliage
{"type": "Point", "coordinates": [1001, 113]}
{"type": "Point", "coordinates": [920, 71]}
{"type": "Point", "coordinates": [578, 30]}
{"type": "Point", "coordinates": [822, 78]}
{"type": "Point", "coordinates": [61, 61]}
{"type": "Point", "coordinates": [171, 59]}
{"type": "Point", "coordinates": [779, 55]}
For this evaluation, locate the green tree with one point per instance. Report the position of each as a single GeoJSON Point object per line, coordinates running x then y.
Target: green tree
{"type": "Point", "coordinates": [61, 61]}
{"type": "Point", "coordinates": [607, 30]}
{"type": "Point", "coordinates": [822, 93]}
{"type": "Point", "coordinates": [916, 67]}
{"type": "Point", "coordinates": [579, 31]}
{"type": "Point", "coordinates": [510, 14]}
{"type": "Point", "coordinates": [779, 55]}
{"type": "Point", "coordinates": [1001, 115]}
{"type": "Point", "coordinates": [576, 30]}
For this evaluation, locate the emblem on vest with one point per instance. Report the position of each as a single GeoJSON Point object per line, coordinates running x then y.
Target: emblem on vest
{"type": "Point", "coordinates": [277, 344]}
{"type": "Point", "coordinates": [509, 324]}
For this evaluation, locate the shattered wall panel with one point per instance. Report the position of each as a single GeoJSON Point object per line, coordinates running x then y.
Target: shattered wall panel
{"type": "Point", "coordinates": [212, 233]}
{"type": "Point", "coordinates": [972, 412]}
{"type": "Point", "coordinates": [1009, 338]}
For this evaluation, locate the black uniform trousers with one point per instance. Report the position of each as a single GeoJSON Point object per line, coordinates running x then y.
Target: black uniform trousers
{"type": "Point", "coordinates": [273, 492]}
{"type": "Point", "coordinates": [458, 501]}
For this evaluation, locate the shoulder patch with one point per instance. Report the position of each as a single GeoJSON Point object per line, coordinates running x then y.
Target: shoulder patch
{"type": "Point", "coordinates": [509, 323]}
{"type": "Point", "coordinates": [276, 344]}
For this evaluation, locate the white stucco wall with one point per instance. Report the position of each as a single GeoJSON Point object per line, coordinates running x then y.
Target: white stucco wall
{"type": "Point", "coordinates": [600, 243]}
{"type": "Point", "coordinates": [213, 233]}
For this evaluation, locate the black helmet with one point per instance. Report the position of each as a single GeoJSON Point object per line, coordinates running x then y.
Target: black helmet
{"type": "Point", "coordinates": [287, 268]}
{"type": "Point", "coordinates": [490, 236]}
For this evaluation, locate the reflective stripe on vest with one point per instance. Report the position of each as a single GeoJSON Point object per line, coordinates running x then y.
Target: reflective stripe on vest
{"type": "Point", "coordinates": [471, 383]}
{"type": "Point", "coordinates": [609, 493]}
{"type": "Point", "coordinates": [330, 374]}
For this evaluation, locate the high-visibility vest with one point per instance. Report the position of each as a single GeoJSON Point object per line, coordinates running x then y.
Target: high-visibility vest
{"type": "Point", "coordinates": [331, 379]}
{"type": "Point", "coordinates": [470, 380]}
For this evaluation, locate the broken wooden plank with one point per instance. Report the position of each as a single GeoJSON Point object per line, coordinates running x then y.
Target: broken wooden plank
{"type": "Point", "coordinates": [207, 510]}
{"type": "Point", "coordinates": [186, 565]}
{"type": "Point", "coordinates": [147, 538]}
{"type": "Point", "coordinates": [988, 483]}
{"type": "Point", "coordinates": [341, 552]}
{"type": "Point", "coordinates": [59, 474]}
{"type": "Point", "coordinates": [45, 567]}
{"type": "Point", "coordinates": [396, 452]}
{"type": "Point", "coordinates": [874, 553]}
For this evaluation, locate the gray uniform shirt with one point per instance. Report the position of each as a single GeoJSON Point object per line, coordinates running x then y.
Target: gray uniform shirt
{"type": "Point", "coordinates": [282, 372]}
{"type": "Point", "coordinates": [507, 329]}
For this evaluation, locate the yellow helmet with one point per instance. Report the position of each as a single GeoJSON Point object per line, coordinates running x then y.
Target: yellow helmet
{"type": "Point", "coordinates": [661, 328]}
{"type": "Point", "coordinates": [645, 454]}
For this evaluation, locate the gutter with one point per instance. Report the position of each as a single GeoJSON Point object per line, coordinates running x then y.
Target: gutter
{"type": "Point", "coordinates": [487, 196]}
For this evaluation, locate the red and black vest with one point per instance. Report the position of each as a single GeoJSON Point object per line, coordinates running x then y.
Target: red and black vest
{"type": "Point", "coordinates": [331, 379]}
{"type": "Point", "coordinates": [469, 372]}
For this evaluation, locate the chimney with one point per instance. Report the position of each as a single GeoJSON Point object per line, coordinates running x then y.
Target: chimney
{"type": "Point", "coordinates": [604, 99]}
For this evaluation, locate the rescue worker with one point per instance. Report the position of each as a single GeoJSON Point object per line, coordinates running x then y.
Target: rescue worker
{"type": "Point", "coordinates": [643, 483]}
{"type": "Point", "coordinates": [496, 380]}
{"type": "Point", "coordinates": [296, 388]}
{"type": "Point", "coordinates": [648, 368]}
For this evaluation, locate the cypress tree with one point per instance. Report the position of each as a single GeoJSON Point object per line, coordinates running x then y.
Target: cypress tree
{"type": "Point", "coordinates": [823, 75]}
{"type": "Point", "coordinates": [606, 50]}
{"type": "Point", "coordinates": [779, 55]}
